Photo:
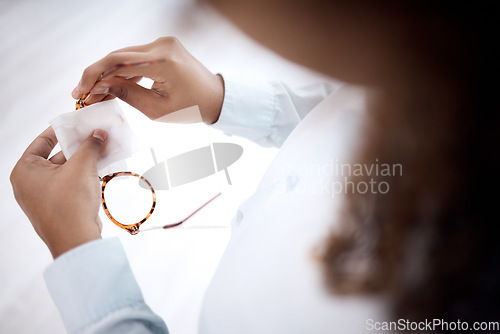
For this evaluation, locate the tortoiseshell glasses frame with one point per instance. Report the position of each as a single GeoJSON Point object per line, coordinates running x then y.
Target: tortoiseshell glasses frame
{"type": "Point", "coordinates": [134, 228]}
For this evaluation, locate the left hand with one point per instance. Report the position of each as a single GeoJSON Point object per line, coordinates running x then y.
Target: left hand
{"type": "Point", "coordinates": [180, 80]}
{"type": "Point", "coordinates": [61, 198]}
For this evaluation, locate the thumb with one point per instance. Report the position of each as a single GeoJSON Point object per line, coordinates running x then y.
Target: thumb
{"type": "Point", "coordinates": [90, 150]}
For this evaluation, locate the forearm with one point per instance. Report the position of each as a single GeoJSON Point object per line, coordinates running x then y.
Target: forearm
{"type": "Point", "coordinates": [266, 112]}
{"type": "Point", "coordinates": [95, 291]}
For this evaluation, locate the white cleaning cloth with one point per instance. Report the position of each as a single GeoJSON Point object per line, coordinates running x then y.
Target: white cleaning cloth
{"type": "Point", "coordinates": [74, 127]}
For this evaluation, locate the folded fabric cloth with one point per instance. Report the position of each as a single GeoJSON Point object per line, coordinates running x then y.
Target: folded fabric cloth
{"type": "Point", "coordinates": [74, 127]}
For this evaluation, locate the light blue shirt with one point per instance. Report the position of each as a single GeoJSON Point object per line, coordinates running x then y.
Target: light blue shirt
{"type": "Point", "coordinates": [93, 285]}
{"type": "Point", "coordinates": [96, 292]}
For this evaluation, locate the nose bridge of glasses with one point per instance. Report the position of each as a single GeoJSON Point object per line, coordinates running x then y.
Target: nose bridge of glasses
{"type": "Point", "coordinates": [132, 229]}
{"type": "Point", "coordinates": [81, 102]}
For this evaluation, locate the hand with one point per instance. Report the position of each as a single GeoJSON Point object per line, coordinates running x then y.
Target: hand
{"type": "Point", "coordinates": [180, 81]}
{"type": "Point", "coordinates": [61, 198]}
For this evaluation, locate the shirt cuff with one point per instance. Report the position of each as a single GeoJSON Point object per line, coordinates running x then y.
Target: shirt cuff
{"type": "Point", "coordinates": [248, 109]}
{"type": "Point", "coordinates": [91, 281]}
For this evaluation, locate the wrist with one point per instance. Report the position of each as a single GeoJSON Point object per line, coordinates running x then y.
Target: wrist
{"type": "Point", "coordinates": [65, 244]}
{"type": "Point", "coordinates": [65, 236]}
{"type": "Point", "coordinates": [217, 100]}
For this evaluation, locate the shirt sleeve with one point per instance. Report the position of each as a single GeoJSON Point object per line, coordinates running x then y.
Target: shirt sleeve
{"type": "Point", "coordinates": [95, 291]}
{"type": "Point", "coordinates": [266, 112]}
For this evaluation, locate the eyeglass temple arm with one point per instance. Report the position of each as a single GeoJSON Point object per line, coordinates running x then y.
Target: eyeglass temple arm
{"type": "Point", "coordinates": [183, 220]}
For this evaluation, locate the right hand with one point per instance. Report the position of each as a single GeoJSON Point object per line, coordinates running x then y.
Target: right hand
{"type": "Point", "coordinates": [61, 198]}
{"type": "Point", "coordinates": [180, 81]}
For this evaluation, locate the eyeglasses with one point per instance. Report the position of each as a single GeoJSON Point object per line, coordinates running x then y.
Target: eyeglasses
{"type": "Point", "coordinates": [134, 228]}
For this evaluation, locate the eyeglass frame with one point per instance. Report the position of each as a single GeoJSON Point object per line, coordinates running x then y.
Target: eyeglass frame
{"type": "Point", "coordinates": [132, 228]}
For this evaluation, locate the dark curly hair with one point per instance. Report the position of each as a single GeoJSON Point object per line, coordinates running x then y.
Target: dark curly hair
{"type": "Point", "coordinates": [431, 242]}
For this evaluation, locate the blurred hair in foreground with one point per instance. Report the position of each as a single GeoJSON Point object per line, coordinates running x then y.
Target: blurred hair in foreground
{"type": "Point", "coordinates": [431, 242]}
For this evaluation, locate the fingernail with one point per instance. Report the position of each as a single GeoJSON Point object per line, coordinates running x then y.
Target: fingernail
{"type": "Point", "coordinates": [101, 90]}
{"type": "Point", "coordinates": [100, 134]}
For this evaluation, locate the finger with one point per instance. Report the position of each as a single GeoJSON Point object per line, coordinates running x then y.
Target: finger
{"type": "Point", "coordinates": [95, 98]}
{"type": "Point", "coordinates": [93, 73]}
{"type": "Point", "coordinates": [135, 48]}
{"type": "Point", "coordinates": [132, 65]}
{"type": "Point", "coordinates": [58, 158]}
{"type": "Point", "coordinates": [143, 47]}
{"type": "Point", "coordinates": [149, 102]}
{"type": "Point", "coordinates": [109, 97]}
{"type": "Point", "coordinates": [89, 152]}
{"type": "Point", "coordinates": [100, 98]}
{"type": "Point", "coordinates": [100, 91]}
{"type": "Point", "coordinates": [43, 144]}
{"type": "Point", "coordinates": [147, 47]}
{"type": "Point", "coordinates": [135, 79]}
{"type": "Point", "coordinates": [148, 68]}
